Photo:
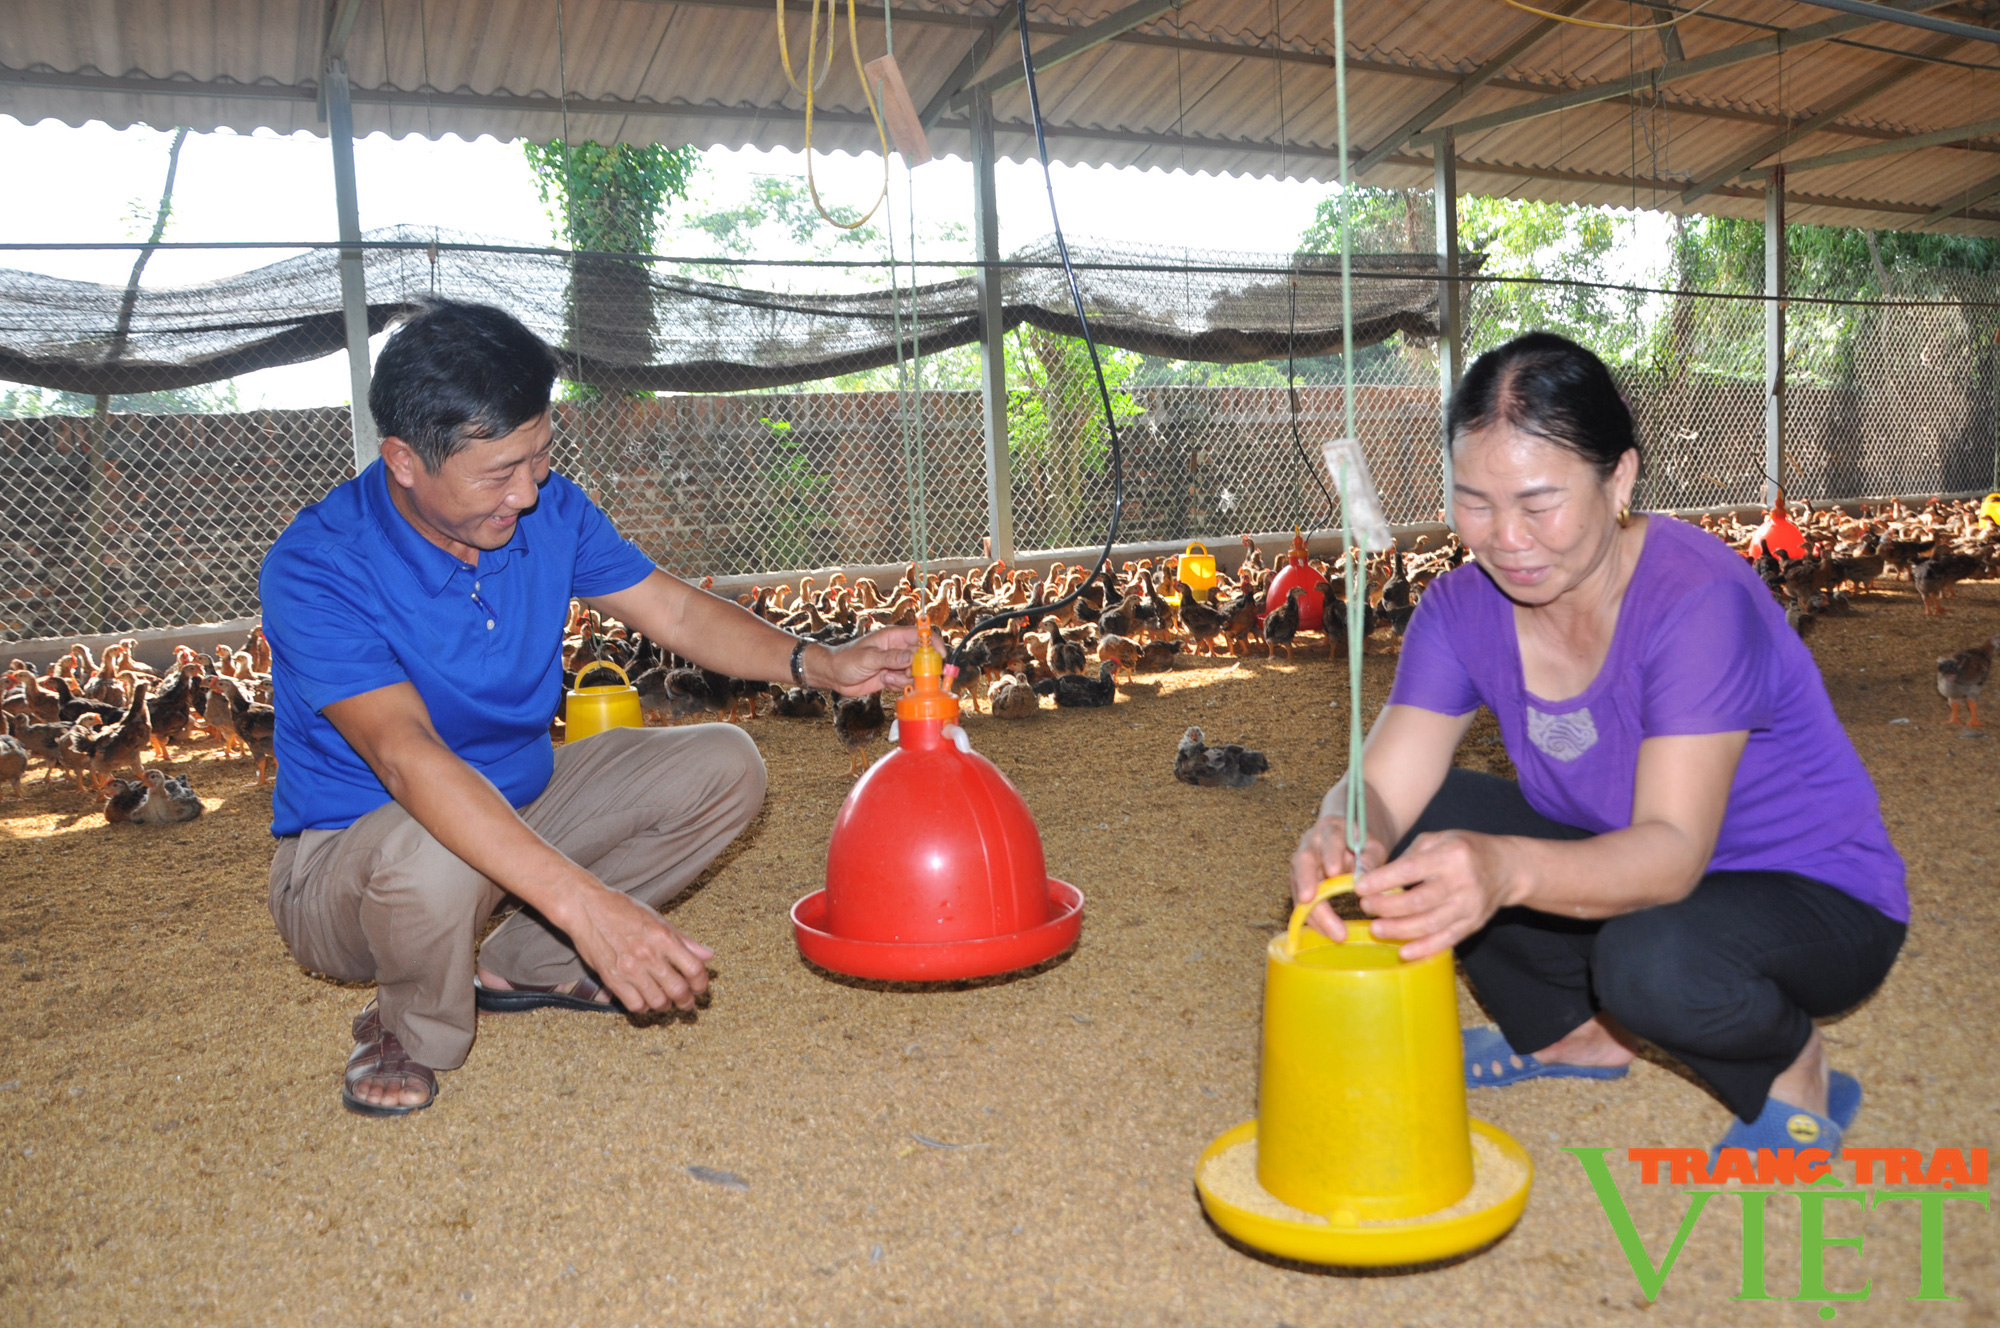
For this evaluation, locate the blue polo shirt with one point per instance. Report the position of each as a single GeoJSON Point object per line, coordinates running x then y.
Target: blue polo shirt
{"type": "Point", "coordinates": [355, 599]}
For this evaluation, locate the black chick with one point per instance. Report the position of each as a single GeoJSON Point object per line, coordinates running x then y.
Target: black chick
{"type": "Point", "coordinates": [857, 722]}
{"type": "Point", "coordinates": [1396, 590]}
{"type": "Point", "coordinates": [1333, 619]}
{"type": "Point", "coordinates": [1225, 766]}
{"type": "Point", "coordinates": [1203, 622]}
{"type": "Point", "coordinates": [1071, 690]}
{"type": "Point", "coordinates": [800, 703]}
{"type": "Point", "coordinates": [1282, 623]}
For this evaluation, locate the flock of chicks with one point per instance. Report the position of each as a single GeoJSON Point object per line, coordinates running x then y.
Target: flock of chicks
{"type": "Point", "coordinates": [1137, 619]}
{"type": "Point", "coordinates": [93, 719]}
{"type": "Point", "coordinates": [1935, 546]}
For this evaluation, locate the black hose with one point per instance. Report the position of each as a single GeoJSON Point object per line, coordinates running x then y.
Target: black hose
{"type": "Point", "coordinates": [1096, 366]}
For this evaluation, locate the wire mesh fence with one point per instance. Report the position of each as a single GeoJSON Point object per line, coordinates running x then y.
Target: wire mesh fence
{"type": "Point", "coordinates": [118, 518]}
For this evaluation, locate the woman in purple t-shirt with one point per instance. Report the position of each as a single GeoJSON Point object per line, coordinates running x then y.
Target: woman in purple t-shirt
{"type": "Point", "coordinates": [1693, 855]}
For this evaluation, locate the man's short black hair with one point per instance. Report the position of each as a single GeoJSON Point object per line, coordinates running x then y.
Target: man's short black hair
{"type": "Point", "coordinates": [455, 373]}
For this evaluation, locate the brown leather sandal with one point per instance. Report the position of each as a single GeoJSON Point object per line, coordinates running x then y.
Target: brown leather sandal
{"type": "Point", "coordinates": [580, 994]}
{"type": "Point", "coordinates": [379, 1054]}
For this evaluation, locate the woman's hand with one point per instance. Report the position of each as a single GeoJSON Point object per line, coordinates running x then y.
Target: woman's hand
{"type": "Point", "coordinates": [1323, 852]}
{"type": "Point", "coordinates": [1445, 887]}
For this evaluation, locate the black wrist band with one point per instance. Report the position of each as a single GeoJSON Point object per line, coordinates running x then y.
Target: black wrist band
{"type": "Point", "coordinates": [799, 661]}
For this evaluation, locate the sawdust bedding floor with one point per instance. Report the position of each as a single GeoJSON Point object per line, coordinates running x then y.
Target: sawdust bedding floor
{"type": "Point", "coordinates": [808, 1150]}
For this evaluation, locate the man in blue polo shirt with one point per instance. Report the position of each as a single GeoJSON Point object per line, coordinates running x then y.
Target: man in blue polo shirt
{"type": "Point", "coordinates": [415, 617]}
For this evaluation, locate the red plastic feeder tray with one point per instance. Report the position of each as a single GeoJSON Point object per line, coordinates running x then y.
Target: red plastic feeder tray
{"type": "Point", "coordinates": [935, 869]}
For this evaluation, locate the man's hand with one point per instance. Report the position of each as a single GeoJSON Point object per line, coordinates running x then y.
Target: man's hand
{"type": "Point", "coordinates": [866, 664]}
{"type": "Point", "coordinates": [646, 963]}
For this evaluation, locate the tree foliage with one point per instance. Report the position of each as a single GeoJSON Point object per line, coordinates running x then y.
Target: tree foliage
{"type": "Point", "coordinates": [610, 199]}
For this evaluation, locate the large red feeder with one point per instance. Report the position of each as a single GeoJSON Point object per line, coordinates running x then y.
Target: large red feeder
{"type": "Point", "coordinates": [935, 869]}
{"type": "Point", "coordinates": [1296, 574]}
{"type": "Point", "coordinates": [1777, 533]}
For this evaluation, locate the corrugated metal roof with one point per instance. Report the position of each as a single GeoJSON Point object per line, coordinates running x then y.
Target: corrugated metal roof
{"type": "Point", "coordinates": [1236, 86]}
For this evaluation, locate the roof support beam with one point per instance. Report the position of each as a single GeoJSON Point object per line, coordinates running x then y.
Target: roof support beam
{"type": "Point", "coordinates": [975, 60]}
{"type": "Point", "coordinates": [1468, 85]}
{"type": "Point", "coordinates": [1935, 139]}
{"type": "Point", "coordinates": [340, 16]}
{"type": "Point", "coordinates": [1978, 194]}
{"type": "Point", "coordinates": [1728, 57]}
{"type": "Point", "coordinates": [1856, 95]}
{"type": "Point", "coordinates": [1884, 14]}
{"type": "Point", "coordinates": [1108, 28]}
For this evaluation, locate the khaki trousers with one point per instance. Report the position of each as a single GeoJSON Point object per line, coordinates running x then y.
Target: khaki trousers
{"type": "Point", "coordinates": [644, 810]}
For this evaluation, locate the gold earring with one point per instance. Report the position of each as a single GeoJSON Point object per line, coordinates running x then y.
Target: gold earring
{"type": "Point", "coordinates": [1625, 515]}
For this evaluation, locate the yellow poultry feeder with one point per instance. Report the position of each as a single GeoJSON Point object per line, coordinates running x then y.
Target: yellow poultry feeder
{"type": "Point", "coordinates": [588, 711]}
{"type": "Point", "coordinates": [1362, 1153]}
{"type": "Point", "coordinates": [1197, 570]}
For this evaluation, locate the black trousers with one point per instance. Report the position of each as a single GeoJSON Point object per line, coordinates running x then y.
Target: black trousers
{"type": "Point", "coordinates": [1728, 980]}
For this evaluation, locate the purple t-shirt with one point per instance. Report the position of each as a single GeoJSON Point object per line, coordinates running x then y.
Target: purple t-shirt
{"type": "Point", "coordinates": [1700, 647]}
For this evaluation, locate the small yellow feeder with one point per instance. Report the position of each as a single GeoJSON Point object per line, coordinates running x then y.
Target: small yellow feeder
{"type": "Point", "coordinates": [1364, 1153]}
{"type": "Point", "coordinates": [591, 710]}
{"type": "Point", "coordinates": [1198, 569]}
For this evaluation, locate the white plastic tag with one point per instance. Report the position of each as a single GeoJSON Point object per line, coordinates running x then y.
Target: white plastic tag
{"type": "Point", "coordinates": [1360, 508]}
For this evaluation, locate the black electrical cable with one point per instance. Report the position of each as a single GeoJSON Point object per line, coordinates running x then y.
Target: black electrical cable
{"type": "Point", "coordinates": [1096, 366]}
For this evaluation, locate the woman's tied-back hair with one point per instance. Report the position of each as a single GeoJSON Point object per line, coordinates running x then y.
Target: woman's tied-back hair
{"type": "Point", "coordinates": [457, 373]}
{"type": "Point", "coordinates": [1548, 386]}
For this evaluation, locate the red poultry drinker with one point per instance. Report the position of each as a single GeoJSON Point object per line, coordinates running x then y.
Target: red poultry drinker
{"type": "Point", "coordinates": [935, 868]}
{"type": "Point", "coordinates": [1296, 574]}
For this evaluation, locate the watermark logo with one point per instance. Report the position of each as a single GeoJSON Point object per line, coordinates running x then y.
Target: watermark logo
{"type": "Point", "coordinates": [1815, 1173]}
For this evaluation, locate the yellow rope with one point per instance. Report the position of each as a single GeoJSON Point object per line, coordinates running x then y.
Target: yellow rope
{"type": "Point", "coordinates": [1607, 27]}
{"type": "Point", "coordinates": [812, 50]}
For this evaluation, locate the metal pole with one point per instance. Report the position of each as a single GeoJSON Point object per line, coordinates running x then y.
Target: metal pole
{"type": "Point", "coordinates": [353, 284]}
{"type": "Point", "coordinates": [1451, 308]}
{"type": "Point", "coordinates": [992, 332]}
{"type": "Point", "coordinates": [1774, 335]}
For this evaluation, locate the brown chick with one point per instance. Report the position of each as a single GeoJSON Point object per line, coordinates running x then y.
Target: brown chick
{"type": "Point", "coordinates": [255, 725]}
{"type": "Point", "coordinates": [1118, 651]}
{"type": "Point", "coordinates": [122, 743]}
{"type": "Point", "coordinates": [1013, 697]}
{"type": "Point", "coordinates": [1282, 624]}
{"type": "Point", "coordinates": [123, 797]}
{"type": "Point", "coordinates": [1961, 677]}
{"type": "Point", "coordinates": [1158, 656]}
{"type": "Point", "coordinates": [857, 722]}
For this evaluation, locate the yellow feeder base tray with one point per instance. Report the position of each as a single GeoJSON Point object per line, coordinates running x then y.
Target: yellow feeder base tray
{"type": "Point", "coordinates": [1374, 1244]}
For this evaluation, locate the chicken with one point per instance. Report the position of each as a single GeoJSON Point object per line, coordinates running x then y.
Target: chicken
{"type": "Point", "coordinates": [43, 740]}
{"type": "Point", "coordinates": [1203, 622]}
{"type": "Point", "coordinates": [1960, 677]}
{"type": "Point", "coordinates": [123, 797]}
{"type": "Point", "coordinates": [121, 744]}
{"type": "Point", "coordinates": [217, 718]}
{"type": "Point", "coordinates": [1012, 697]}
{"type": "Point", "coordinates": [1075, 692]}
{"type": "Point", "coordinates": [1158, 656]}
{"type": "Point", "coordinates": [1239, 619]}
{"type": "Point", "coordinates": [255, 725]}
{"type": "Point", "coordinates": [13, 762]}
{"type": "Point", "coordinates": [1118, 651]}
{"type": "Point", "coordinates": [800, 703]}
{"type": "Point", "coordinates": [167, 801]}
{"type": "Point", "coordinates": [858, 721]}
{"type": "Point", "coordinates": [73, 751]}
{"type": "Point", "coordinates": [1933, 577]}
{"type": "Point", "coordinates": [1226, 766]}
{"type": "Point", "coordinates": [1282, 624]}
{"type": "Point", "coordinates": [170, 711]}
{"type": "Point", "coordinates": [1067, 656]}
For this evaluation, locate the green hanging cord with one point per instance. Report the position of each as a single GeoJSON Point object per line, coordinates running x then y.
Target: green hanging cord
{"type": "Point", "coordinates": [1357, 581]}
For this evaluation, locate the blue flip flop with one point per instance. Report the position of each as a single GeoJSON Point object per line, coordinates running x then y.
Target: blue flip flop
{"type": "Point", "coordinates": [1491, 1063]}
{"type": "Point", "coordinates": [1782, 1125]}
